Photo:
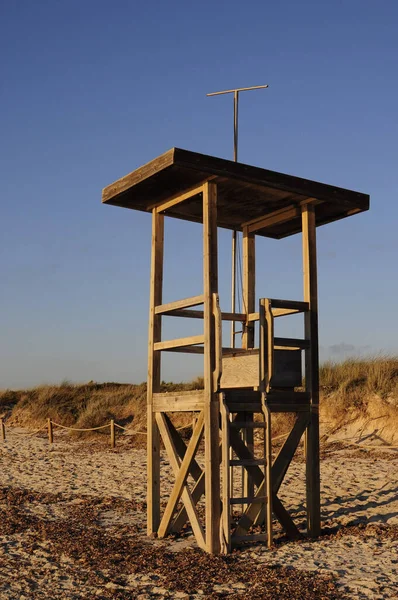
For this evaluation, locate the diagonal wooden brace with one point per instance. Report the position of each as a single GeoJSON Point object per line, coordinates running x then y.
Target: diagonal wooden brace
{"type": "Point", "coordinates": [279, 469]}
{"type": "Point", "coordinates": [185, 494]}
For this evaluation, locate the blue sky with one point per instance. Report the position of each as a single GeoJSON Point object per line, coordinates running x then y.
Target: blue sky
{"type": "Point", "coordinates": [92, 90]}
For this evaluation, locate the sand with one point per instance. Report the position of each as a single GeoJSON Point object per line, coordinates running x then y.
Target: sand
{"type": "Point", "coordinates": [62, 501]}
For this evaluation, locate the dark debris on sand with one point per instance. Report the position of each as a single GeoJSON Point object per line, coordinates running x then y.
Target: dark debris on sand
{"type": "Point", "coordinates": [104, 556]}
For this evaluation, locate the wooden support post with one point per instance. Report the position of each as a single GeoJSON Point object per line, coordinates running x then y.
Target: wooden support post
{"type": "Point", "coordinates": [249, 285]}
{"type": "Point", "coordinates": [226, 480]}
{"type": "Point", "coordinates": [249, 295]}
{"type": "Point", "coordinates": [50, 431]}
{"type": "Point", "coordinates": [113, 438]}
{"type": "Point", "coordinates": [3, 430]}
{"type": "Point", "coordinates": [155, 326]}
{"type": "Point", "coordinates": [211, 399]}
{"type": "Point", "coordinates": [311, 371]}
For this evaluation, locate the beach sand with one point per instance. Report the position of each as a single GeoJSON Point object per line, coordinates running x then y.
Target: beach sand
{"type": "Point", "coordinates": [72, 525]}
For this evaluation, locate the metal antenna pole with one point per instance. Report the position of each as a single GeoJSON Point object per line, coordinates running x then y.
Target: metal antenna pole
{"type": "Point", "coordinates": [234, 233]}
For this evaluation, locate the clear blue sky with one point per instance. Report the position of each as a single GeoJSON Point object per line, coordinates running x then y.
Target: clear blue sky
{"type": "Point", "coordinates": [92, 90]}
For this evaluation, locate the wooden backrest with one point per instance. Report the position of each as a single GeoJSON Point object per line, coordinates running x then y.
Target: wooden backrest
{"type": "Point", "coordinates": [241, 370]}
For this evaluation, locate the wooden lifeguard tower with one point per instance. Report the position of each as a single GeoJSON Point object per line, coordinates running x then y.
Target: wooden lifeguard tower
{"type": "Point", "coordinates": [261, 377]}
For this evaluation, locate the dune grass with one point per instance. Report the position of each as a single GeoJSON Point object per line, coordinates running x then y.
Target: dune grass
{"type": "Point", "coordinates": [345, 387]}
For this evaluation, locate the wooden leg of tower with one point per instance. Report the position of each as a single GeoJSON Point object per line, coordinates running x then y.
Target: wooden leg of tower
{"type": "Point", "coordinates": [249, 306]}
{"type": "Point", "coordinates": [155, 324]}
{"type": "Point", "coordinates": [212, 408]}
{"type": "Point", "coordinates": [226, 490]}
{"type": "Point", "coordinates": [312, 371]}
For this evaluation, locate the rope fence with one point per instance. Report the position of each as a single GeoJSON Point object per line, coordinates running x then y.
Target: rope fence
{"type": "Point", "coordinates": [52, 424]}
{"type": "Point", "coordinates": [113, 426]}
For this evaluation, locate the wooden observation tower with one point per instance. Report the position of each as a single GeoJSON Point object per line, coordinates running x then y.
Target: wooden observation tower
{"type": "Point", "coordinates": [243, 387]}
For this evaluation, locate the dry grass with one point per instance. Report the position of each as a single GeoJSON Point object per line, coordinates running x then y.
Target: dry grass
{"type": "Point", "coordinates": [346, 390]}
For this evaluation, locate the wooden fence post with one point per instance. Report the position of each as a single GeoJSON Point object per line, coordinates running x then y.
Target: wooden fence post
{"type": "Point", "coordinates": [50, 431]}
{"type": "Point", "coordinates": [113, 439]}
{"type": "Point", "coordinates": [3, 430]}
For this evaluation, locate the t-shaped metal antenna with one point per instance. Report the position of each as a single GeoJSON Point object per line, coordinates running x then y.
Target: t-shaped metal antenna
{"type": "Point", "coordinates": [236, 102]}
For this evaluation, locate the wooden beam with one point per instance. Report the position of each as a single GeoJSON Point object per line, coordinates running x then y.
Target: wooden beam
{"type": "Point", "coordinates": [181, 197]}
{"type": "Point", "coordinates": [178, 402]}
{"type": "Point", "coordinates": [186, 495]}
{"type": "Point", "coordinates": [194, 469]}
{"type": "Point", "coordinates": [226, 480]}
{"type": "Point", "coordinates": [312, 371]}
{"type": "Point", "coordinates": [185, 303]}
{"type": "Point", "coordinates": [274, 218]}
{"type": "Point", "coordinates": [292, 343]}
{"type": "Point", "coordinates": [182, 475]}
{"type": "Point", "coordinates": [285, 519]}
{"type": "Point", "coordinates": [292, 304]}
{"type": "Point", "coordinates": [212, 412]}
{"type": "Point", "coordinates": [179, 342]}
{"type": "Point", "coordinates": [286, 453]}
{"type": "Point", "coordinates": [153, 385]}
{"type": "Point", "coordinates": [249, 284]}
{"type": "Point", "coordinates": [199, 314]}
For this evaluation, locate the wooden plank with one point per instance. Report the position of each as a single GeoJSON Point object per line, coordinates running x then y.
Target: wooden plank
{"type": "Point", "coordinates": [180, 197]}
{"type": "Point", "coordinates": [211, 411]}
{"type": "Point", "coordinates": [197, 493]}
{"type": "Point", "coordinates": [292, 304]}
{"type": "Point", "coordinates": [270, 343]}
{"type": "Point", "coordinates": [249, 500]}
{"type": "Point", "coordinates": [277, 217]}
{"type": "Point", "coordinates": [286, 453]}
{"type": "Point", "coordinates": [153, 385]}
{"type": "Point", "coordinates": [249, 285]}
{"type": "Point", "coordinates": [294, 343]}
{"type": "Point", "coordinates": [177, 159]}
{"type": "Point", "coordinates": [249, 301]}
{"type": "Point", "coordinates": [199, 314]}
{"type": "Point", "coordinates": [179, 342]}
{"type": "Point", "coordinates": [226, 480]}
{"type": "Point", "coordinates": [178, 402]}
{"type": "Point", "coordinates": [312, 371]}
{"type": "Point", "coordinates": [182, 475]}
{"type": "Point", "coordinates": [247, 462]}
{"type": "Point", "coordinates": [186, 495]}
{"type": "Point", "coordinates": [267, 481]}
{"type": "Point", "coordinates": [285, 519]}
{"type": "Point", "coordinates": [184, 303]}
{"type": "Point", "coordinates": [188, 350]}
{"type": "Point", "coordinates": [194, 469]}
{"type": "Point", "coordinates": [242, 369]}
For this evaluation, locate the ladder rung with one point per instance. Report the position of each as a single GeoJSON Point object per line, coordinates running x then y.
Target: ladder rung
{"type": "Point", "coordinates": [249, 500]}
{"type": "Point", "coordinates": [291, 343]}
{"type": "Point", "coordinates": [292, 304]}
{"type": "Point", "coordinates": [248, 462]}
{"type": "Point", "coordinates": [256, 537]}
{"type": "Point", "coordinates": [247, 424]}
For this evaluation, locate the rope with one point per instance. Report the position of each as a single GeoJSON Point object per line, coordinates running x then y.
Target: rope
{"type": "Point", "coordinates": [27, 434]}
{"type": "Point", "coordinates": [75, 429]}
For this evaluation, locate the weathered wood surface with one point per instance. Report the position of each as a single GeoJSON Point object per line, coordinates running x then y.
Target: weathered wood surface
{"type": "Point", "coordinates": [245, 192]}
{"type": "Point", "coordinates": [178, 402]}
{"type": "Point", "coordinates": [211, 366]}
{"type": "Point", "coordinates": [242, 370]}
{"type": "Point", "coordinates": [154, 358]}
{"type": "Point", "coordinates": [310, 281]}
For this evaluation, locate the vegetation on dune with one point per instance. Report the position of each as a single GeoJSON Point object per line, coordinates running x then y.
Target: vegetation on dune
{"type": "Point", "coordinates": [346, 390]}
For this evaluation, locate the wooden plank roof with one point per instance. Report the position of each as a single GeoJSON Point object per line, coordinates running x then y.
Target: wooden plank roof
{"type": "Point", "coordinates": [245, 193]}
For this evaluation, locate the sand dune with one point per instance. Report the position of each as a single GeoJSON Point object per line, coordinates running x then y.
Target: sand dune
{"type": "Point", "coordinates": [57, 503]}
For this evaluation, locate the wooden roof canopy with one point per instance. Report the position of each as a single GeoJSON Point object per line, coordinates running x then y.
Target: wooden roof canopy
{"type": "Point", "coordinates": [245, 193]}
